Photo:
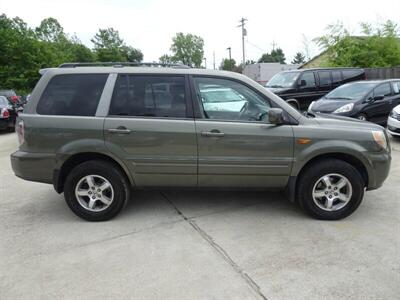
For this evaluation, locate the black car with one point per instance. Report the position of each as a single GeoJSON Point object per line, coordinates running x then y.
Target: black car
{"type": "Point", "coordinates": [301, 87]}
{"type": "Point", "coordinates": [364, 100]}
{"type": "Point", "coordinates": [8, 114]}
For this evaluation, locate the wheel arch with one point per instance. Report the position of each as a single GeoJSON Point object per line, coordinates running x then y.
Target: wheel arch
{"type": "Point", "coordinates": [292, 186]}
{"type": "Point", "coordinates": [60, 174]}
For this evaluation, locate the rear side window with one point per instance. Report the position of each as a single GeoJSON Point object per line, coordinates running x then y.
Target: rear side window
{"type": "Point", "coordinates": [336, 77]}
{"type": "Point", "coordinates": [351, 74]}
{"type": "Point", "coordinates": [383, 90]}
{"type": "Point", "coordinates": [324, 78]}
{"type": "Point", "coordinates": [72, 95]}
{"type": "Point", "coordinates": [396, 87]}
{"type": "Point", "coordinates": [149, 96]}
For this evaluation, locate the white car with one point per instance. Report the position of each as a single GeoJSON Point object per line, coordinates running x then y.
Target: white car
{"type": "Point", "coordinates": [393, 123]}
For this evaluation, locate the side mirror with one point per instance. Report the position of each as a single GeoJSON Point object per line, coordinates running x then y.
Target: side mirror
{"type": "Point", "coordinates": [275, 116]}
{"type": "Point", "coordinates": [379, 97]}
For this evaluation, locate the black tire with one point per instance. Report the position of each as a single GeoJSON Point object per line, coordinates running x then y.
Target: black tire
{"type": "Point", "coordinates": [317, 170]}
{"type": "Point", "coordinates": [362, 117]}
{"type": "Point", "coordinates": [106, 170]}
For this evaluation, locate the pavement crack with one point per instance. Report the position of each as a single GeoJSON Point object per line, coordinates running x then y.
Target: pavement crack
{"type": "Point", "coordinates": [221, 251]}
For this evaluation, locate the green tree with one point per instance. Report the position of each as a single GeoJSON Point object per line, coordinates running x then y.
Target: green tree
{"type": "Point", "coordinates": [276, 55]}
{"type": "Point", "coordinates": [132, 54]}
{"type": "Point", "coordinates": [50, 30]}
{"type": "Point", "coordinates": [228, 64]}
{"type": "Point", "coordinates": [108, 45]}
{"type": "Point", "coordinates": [166, 59]}
{"type": "Point", "coordinates": [299, 58]}
{"type": "Point", "coordinates": [378, 46]}
{"type": "Point", "coordinates": [188, 49]}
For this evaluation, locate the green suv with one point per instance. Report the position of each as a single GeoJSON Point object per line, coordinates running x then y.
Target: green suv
{"type": "Point", "coordinates": [96, 132]}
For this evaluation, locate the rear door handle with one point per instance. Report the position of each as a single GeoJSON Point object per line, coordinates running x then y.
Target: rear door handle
{"type": "Point", "coordinates": [119, 130]}
{"type": "Point", "coordinates": [212, 133]}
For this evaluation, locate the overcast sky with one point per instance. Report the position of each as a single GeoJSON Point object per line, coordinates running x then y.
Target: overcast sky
{"type": "Point", "coordinates": [150, 24]}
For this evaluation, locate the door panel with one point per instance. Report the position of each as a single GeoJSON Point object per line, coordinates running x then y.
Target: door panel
{"type": "Point", "coordinates": [247, 155]}
{"type": "Point", "coordinates": [151, 128]}
{"type": "Point", "coordinates": [158, 152]}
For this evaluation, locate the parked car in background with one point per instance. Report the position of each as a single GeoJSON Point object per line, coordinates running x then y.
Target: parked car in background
{"type": "Point", "coordinates": [10, 95]}
{"type": "Point", "coordinates": [215, 98]}
{"type": "Point", "coordinates": [364, 100]}
{"type": "Point", "coordinates": [7, 114]}
{"type": "Point", "coordinates": [123, 135]}
{"type": "Point", "coordinates": [393, 122]}
{"type": "Point", "coordinates": [300, 87]}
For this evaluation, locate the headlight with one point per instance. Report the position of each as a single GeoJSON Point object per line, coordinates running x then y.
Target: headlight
{"type": "Point", "coordinates": [394, 114]}
{"type": "Point", "coordinates": [379, 138]}
{"type": "Point", "coordinates": [344, 108]}
{"type": "Point", "coordinates": [310, 106]}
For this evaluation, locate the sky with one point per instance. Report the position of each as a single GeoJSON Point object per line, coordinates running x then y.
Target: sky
{"type": "Point", "coordinates": [150, 24]}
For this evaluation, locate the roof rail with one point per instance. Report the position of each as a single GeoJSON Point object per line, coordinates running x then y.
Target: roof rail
{"type": "Point", "coordinates": [124, 64]}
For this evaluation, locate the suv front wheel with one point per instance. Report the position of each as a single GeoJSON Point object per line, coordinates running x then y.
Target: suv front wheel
{"type": "Point", "coordinates": [330, 189]}
{"type": "Point", "coordinates": [96, 190]}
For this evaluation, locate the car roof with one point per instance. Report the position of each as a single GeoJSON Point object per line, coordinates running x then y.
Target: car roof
{"type": "Point", "coordinates": [323, 69]}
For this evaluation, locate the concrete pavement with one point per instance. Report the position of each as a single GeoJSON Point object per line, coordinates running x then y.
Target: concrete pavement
{"type": "Point", "coordinates": [202, 245]}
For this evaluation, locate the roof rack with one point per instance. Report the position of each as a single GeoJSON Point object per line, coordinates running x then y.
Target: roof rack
{"type": "Point", "coordinates": [124, 64]}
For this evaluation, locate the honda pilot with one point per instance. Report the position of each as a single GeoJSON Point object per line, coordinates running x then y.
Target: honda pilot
{"type": "Point", "coordinates": [97, 132]}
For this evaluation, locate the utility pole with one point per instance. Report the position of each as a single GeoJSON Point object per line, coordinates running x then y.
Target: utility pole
{"type": "Point", "coordinates": [244, 33]}
{"type": "Point", "coordinates": [205, 63]}
{"type": "Point", "coordinates": [273, 45]}
{"type": "Point", "coordinates": [230, 55]}
{"type": "Point", "coordinates": [214, 59]}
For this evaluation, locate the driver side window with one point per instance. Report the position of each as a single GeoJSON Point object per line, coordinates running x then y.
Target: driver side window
{"type": "Point", "coordinates": [223, 99]}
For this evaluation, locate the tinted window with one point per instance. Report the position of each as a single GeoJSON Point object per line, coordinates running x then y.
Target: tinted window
{"type": "Point", "coordinates": [72, 95]}
{"type": "Point", "coordinates": [230, 100]}
{"type": "Point", "coordinates": [396, 87]}
{"type": "Point", "coordinates": [324, 78]}
{"type": "Point", "coordinates": [308, 77]}
{"type": "Point", "coordinates": [348, 74]}
{"type": "Point", "coordinates": [336, 77]}
{"type": "Point", "coordinates": [383, 90]}
{"type": "Point", "coordinates": [149, 96]}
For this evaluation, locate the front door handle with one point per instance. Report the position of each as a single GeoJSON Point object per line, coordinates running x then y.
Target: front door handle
{"type": "Point", "coordinates": [212, 133]}
{"type": "Point", "coordinates": [119, 130]}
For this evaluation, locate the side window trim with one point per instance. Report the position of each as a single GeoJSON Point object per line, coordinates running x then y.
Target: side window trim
{"type": "Point", "coordinates": [188, 100]}
{"type": "Point", "coordinates": [105, 99]}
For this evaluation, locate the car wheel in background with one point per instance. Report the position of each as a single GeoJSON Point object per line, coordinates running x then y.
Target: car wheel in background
{"type": "Point", "coordinates": [96, 190]}
{"type": "Point", "coordinates": [330, 190]}
{"type": "Point", "coordinates": [362, 117]}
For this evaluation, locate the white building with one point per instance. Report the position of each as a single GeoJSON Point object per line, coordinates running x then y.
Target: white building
{"type": "Point", "coordinates": [263, 72]}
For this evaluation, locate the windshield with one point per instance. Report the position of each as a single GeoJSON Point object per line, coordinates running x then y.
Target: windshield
{"type": "Point", "coordinates": [3, 101]}
{"type": "Point", "coordinates": [283, 80]}
{"type": "Point", "coordinates": [352, 91]}
{"type": "Point", "coordinates": [220, 95]}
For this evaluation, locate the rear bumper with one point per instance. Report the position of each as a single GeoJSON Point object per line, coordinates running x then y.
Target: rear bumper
{"type": "Point", "coordinates": [33, 166]}
{"type": "Point", "coordinates": [5, 123]}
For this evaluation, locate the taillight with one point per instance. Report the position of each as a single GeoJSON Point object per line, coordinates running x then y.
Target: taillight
{"type": "Point", "coordinates": [4, 113]}
{"type": "Point", "coordinates": [20, 129]}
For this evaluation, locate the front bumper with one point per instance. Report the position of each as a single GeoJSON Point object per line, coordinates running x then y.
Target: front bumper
{"type": "Point", "coordinates": [33, 166]}
{"type": "Point", "coordinates": [393, 126]}
{"type": "Point", "coordinates": [378, 168]}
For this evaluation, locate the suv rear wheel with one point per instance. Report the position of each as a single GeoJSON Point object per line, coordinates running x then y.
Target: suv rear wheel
{"type": "Point", "coordinates": [330, 190]}
{"type": "Point", "coordinates": [96, 190]}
